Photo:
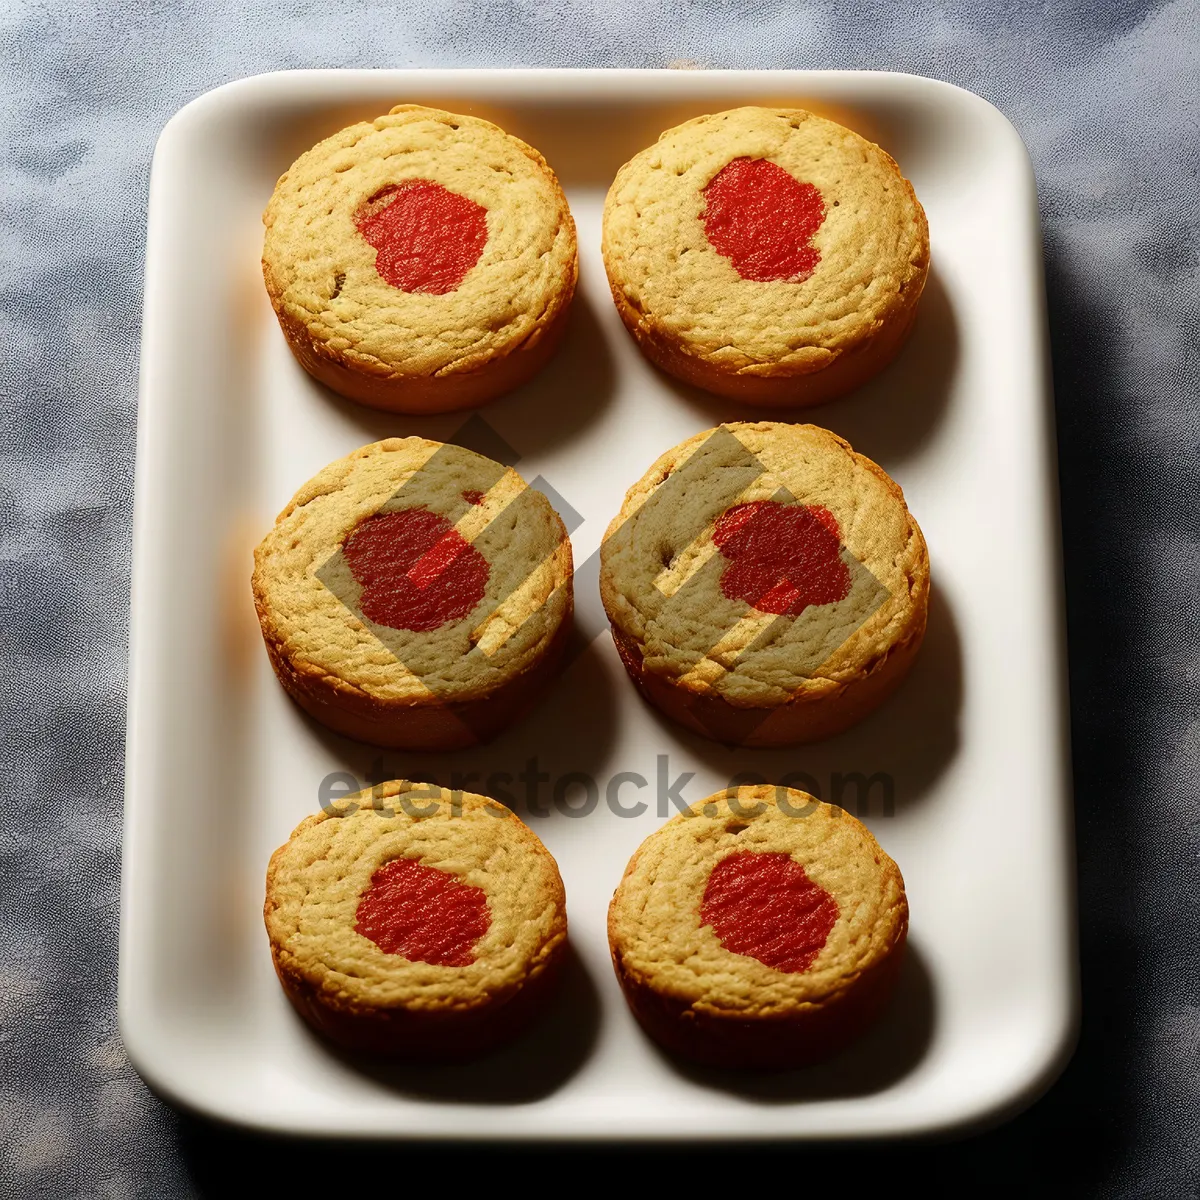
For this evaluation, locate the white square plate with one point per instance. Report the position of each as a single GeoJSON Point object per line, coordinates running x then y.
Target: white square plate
{"type": "Point", "coordinates": [220, 766]}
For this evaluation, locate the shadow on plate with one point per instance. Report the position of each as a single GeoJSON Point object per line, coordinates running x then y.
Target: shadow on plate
{"type": "Point", "coordinates": [554, 406]}
{"type": "Point", "coordinates": [892, 1049]}
{"type": "Point", "coordinates": [888, 419]}
{"type": "Point", "coordinates": [883, 765]}
{"type": "Point", "coordinates": [528, 767]}
{"type": "Point", "coordinates": [539, 1062]}
{"type": "Point", "coordinates": [573, 390]}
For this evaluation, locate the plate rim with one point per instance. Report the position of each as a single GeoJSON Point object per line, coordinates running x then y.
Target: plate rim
{"type": "Point", "coordinates": [1062, 1027]}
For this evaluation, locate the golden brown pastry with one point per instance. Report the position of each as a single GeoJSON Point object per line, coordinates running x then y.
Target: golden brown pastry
{"type": "Point", "coordinates": [765, 584]}
{"type": "Point", "coordinates": [760, 928]}
{"type": "Point", "coordinates": [415, 594]}
{"type": "Point", "coordinates": [416, 922]}
{"type": "Point", "coordinates": [766, 254]}
{"type": "Point", "coordinates": [420, 262]}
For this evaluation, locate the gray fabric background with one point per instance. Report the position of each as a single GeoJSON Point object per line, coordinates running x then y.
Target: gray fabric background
{"type": "Point", "coordinates": [1107, 96]}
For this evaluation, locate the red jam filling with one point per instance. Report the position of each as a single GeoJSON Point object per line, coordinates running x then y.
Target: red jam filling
{"type": "Point", "coordinates": [782, 558]}
{"type": "Point", "coordinates": [427, 238]}
{"type": "Point", "coordinates": [765, 906]}
{"type": "Point", "coordinates": [472, 496]}
{"type": "Point", "coordinates": [423, 914]}
{"type": "Point", "coordinates": [416, 570]}
{"type": "Point", "coordinates": [763, 220]}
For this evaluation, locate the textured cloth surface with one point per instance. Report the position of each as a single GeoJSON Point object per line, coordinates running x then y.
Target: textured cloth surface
{"type": "Point", "coordinates": [1105, 95]}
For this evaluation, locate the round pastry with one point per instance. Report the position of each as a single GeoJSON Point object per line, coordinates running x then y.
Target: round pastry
{"type": "Point", "coordinates": [759, 928]}
{"type": "Point", "coordinates": [415, 594]}
{"type": "Point", "coordinates": [420, 262]}
{"type": "Point", "coordinates": [416, 922]}
{"type": "Point", "coordinates": [766, 254]}
{"type": "Point", "coordinates": [765, 584]}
